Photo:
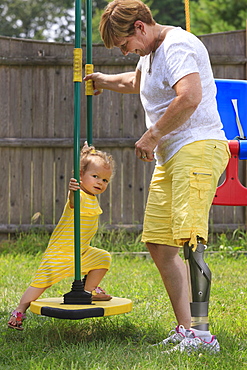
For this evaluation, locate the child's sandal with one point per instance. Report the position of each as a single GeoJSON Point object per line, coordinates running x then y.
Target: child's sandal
{"type": "Point", "coordinates": [19, 316]}
{"type": "Point", "coordinates": [99, 294]}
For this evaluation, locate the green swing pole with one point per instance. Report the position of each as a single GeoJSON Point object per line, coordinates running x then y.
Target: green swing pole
{"type": "Point", "coordinates": [77, 110]}
{"type": "Point", "coordinates": [77, 294]}
{"type": "Point", "coordinates": [88, 70]}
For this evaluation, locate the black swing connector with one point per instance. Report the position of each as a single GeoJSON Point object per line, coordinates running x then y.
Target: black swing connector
{"type": "Point", "coordinates": [77, 295]}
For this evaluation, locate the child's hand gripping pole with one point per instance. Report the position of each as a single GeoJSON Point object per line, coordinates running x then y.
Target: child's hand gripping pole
{"type": "Point", "coordinates": [89, 88]}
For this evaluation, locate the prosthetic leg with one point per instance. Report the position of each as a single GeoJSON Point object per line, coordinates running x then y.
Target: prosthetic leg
{"type": "Point", "coordinates": [199, 279]}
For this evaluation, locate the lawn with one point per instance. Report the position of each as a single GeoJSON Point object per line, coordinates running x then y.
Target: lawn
{"type": "Point", "coordinates": [122, 342]}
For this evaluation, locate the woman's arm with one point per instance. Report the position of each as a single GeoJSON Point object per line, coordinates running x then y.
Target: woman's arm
{"type": "Point", "coordinates": [127, 83]}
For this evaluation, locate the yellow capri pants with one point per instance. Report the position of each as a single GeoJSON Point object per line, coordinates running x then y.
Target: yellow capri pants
{"type": "Point", "coordinates": [181, 193]}
{"type": "Point", "coordinates": [58, 264]}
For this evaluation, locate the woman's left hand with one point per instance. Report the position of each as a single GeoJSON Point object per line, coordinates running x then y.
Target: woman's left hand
{"type": "Point", "coordinates": [144, 147]}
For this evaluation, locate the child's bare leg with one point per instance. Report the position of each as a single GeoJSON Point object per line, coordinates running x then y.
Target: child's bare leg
{"type": "Point", "coordinates": [31, 294]}
{"type": "Point", "coordinates": [94, 277]}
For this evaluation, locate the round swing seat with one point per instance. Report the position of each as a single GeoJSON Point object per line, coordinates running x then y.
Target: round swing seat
{"type": "Point", "coordinates": [54, 307]}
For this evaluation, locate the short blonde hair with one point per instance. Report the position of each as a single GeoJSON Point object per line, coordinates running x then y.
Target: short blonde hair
{"type": "Point", "coordinates": [119, 18]}
{"type": "Point", "coordinates": [89, 154]}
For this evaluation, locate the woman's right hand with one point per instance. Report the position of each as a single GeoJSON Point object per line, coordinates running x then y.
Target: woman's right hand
{"type": "Point", "coordinates": [97, 79]}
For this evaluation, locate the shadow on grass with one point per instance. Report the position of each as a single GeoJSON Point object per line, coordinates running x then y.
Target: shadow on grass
{"type": "Point", "coordinates": [44, 330]}
{"type": "Point", "coordinates": [121, 341]}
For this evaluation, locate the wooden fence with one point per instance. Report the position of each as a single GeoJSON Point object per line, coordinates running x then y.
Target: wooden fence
{"type": "Point", "coordinates": [36, 133]}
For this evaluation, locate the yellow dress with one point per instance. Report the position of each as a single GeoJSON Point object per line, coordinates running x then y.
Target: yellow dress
{"type": "Point", "coordinates": [58, 259]}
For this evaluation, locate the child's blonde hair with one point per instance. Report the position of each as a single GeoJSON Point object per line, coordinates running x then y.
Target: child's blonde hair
{"type": "Point", "coordinates": [89, 154]}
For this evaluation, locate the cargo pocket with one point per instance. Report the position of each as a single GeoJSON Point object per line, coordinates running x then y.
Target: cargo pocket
{"type": "Point", "coordinates": [201, 185]}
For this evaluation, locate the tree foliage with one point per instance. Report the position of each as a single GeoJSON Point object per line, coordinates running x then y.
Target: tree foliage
{"type": "Point", "coordinates": [169, 12]}
{"type": "Point", "coordinates": [211, 16]}
{"type": "Point", "coordinates": [54, 20]}
{"type": "Point", "coordinates": [37, 19]}
{"type": "Point", "coordinates": [98, 7]}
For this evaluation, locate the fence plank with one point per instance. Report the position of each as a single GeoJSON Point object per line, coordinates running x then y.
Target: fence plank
{"type": "Point", "coordinates": [114, 214]}
{"type": "Point", "coordinates": [48, 192]}
{"type": "Point", "coordinates": [15, 103]}
{"type": "Point", "coordinates": [61, 188]}
{"type": "Point", "coordinates": [49, 102]}
{"type": "Point", "coordinates": [4, 185]}
{"type": "Point", "coordinates": [14, 189]}
{"type": "Point", "coordinates": [25, 186]}
{"type": "Point", "coordinates": [139, 189]}
{"type": "Point", "coordinates": [26, 102]}
{"type": "Point", "coordinates": [4, 101]}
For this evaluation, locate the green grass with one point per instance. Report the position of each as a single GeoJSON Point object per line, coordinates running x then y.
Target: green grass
{"type": "Point", "coordinates": [120, 240]}
{"type": "Point", "coordinates": [119, 342]}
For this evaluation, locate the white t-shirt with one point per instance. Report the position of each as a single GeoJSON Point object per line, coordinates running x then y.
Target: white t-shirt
{"type": "Point", "coordinates": [180, 54]}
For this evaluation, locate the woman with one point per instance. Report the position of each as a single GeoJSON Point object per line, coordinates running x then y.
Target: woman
{"type": "Point", "coordinates": [184, 135]}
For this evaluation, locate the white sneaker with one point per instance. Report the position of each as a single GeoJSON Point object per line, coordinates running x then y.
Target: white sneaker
{"type": "Point", "coordinates": [179, 334]}
{"type": "Point", "coordinates": [196, 344]}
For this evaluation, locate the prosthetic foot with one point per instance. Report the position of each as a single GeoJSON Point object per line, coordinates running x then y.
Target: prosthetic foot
{"type": "Point", "coordinates": [199, 278]}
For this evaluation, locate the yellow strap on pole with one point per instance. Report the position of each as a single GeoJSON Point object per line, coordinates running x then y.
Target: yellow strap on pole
{"type": "Point", "coordinates": [77, 67]}
{"type": "Point", "coordinates": [187, 14]}
{"type": "Point", "coordinates": [89, 68]}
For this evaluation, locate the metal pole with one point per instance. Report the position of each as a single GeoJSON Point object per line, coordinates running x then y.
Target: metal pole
{"type": "Point", "coordinates": [89, 69]}
{"type": "Point", "coordinates": [77, 295]}
{"type": "Point", "coordinates": [77, 111]}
